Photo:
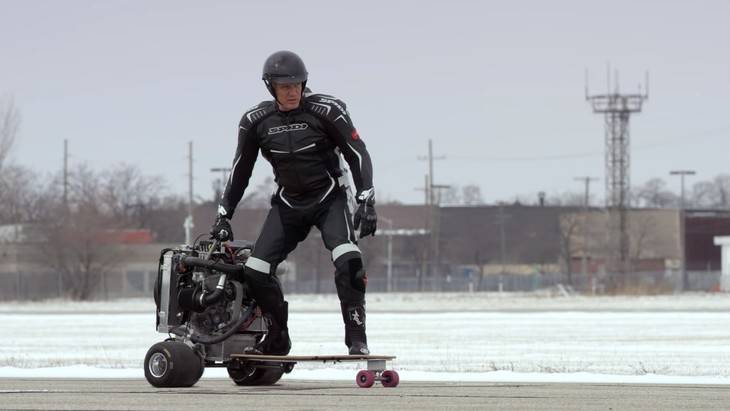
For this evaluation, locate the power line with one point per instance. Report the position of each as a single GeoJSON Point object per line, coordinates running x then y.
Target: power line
{"type": "Point", "coordinates": [685, 138]}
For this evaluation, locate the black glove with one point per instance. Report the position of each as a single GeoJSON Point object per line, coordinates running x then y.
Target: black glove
{"type": "Point", "coordinates": [221, 229]}
{"type": "Point", "coordinates": [365, 217]}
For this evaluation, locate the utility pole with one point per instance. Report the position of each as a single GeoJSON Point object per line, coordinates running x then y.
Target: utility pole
{"type": "Point", "coordinates": [587, 196]}
{"type": "Point", "coordinates": [189, 224]}
{"type": "Point", "coordinates": [617, 109]}
{"type": "Point", "coordinates": [683, 226]}
{"type": "Point", "coordinates": [432, 206]}
{"type": "Point", "coordinates": [424, 189]}
{"type": "Point", "coordinates": [430, 185]}
{"type": "Point", "coordinates": [501, 220]}
{"type": "Point", "coordinates": [586, 203]}
{"type": "Point", "coordinates": [427, 225]}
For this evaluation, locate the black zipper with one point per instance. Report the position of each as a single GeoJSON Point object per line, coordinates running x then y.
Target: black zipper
{"type": "Point", "coordinates": [287, 122]}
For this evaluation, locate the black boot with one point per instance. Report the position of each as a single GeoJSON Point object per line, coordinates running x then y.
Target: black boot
{"type": "Point", "coordinates": [353, 316]}
{"type": "Point", "coordinates": [279, 342]}
{"type": "Point", "coordinates": [266, 290]}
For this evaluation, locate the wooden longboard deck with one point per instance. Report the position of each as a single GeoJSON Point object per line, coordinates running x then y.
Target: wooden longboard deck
{"type": "Point", "coordinates": [297, 358]}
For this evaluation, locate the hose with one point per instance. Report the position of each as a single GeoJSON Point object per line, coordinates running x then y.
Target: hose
{"type": "Point", "coordinates": [233, 269]}
{"type": "Point", "coordinates": [199, 339]}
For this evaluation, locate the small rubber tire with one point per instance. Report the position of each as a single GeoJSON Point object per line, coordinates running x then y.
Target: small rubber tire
{"type": "Point", "coordinates": [241, 376]}
{"type": "Point", "coordinates": [193, 366]}
{"type": "Point", "coordinates": [365, 379]}
{"type": "Point", "coordinates": [200, 372]}
{"type": "Point", "coordinates": [172, 364]}
{"type": "Point", "coordinates": [256, 376]}
{"type": "Point", "coordinates": [389, 378]}
{"type": "Point", "coordinates": [267, 376]}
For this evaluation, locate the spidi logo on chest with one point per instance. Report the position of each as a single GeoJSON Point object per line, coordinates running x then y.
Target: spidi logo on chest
{"type": "Point", "coordinates": [290, 127]}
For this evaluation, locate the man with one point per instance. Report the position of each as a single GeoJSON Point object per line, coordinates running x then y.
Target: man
{"type": "Point", "coordinates": [302, 136]}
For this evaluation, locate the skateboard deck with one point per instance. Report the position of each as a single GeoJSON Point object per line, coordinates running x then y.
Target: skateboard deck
{"type": "Point", "coordinates": [376, 365]}
{"type": "Point", "coordinates": [323, 358]}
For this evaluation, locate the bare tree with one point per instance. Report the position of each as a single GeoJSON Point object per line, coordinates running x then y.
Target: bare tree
{"type": "Point", "coordinates": [467, 195]}
{"type": "Point", "coordinates": [713, 193]}
{"type": "Point", "coordinates": [642, 234]}
{"type": "Point", "coordinates": [527, 199]}
{"type": "Point", "coordinates": [471, 195]}
{"type": "Point", "coordinates": [568, 198]}
{"type": "Point", "coordinates": [165, 218]}
{"type": "Point", "coordinates": [79, 236]}
{"type": "Point", "coordinates": [128, 195]}
{"type": "Point", "coordinates": [14, 182]}
{"type": "Point", "coordinates": [9, 126]}
{"type": "Point", "coordinates": [451, 196]}
{"type": "Point", "coordinates": [569, 224]}
{"type": "Point", "coordinates": [78, 248]}
{"type": "Point", "coordinates": [702, 194]}
{"type": "Point", "coordinates": [654, 193]}
{"type": "Point", "coordinates": [721, 193]}
{"type": "Point", "coordinates": [23, 194]}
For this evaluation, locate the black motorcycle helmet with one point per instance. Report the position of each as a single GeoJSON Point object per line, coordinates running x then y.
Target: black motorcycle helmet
{"type": "Point", "coordinates": [284, 67]}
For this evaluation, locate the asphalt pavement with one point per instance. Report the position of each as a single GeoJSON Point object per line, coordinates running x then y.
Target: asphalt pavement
{"type": "Point", "coordinates": [220, 394]}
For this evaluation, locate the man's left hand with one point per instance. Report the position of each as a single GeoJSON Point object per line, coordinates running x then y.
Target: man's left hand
{"type": "Point", "coordinates": [366, 219]}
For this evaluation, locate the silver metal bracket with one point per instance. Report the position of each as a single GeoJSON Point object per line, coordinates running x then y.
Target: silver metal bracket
{"type": "Point", "coordinates": [376, 365]}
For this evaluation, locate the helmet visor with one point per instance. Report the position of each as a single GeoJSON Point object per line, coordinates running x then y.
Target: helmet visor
{"type": "Point", "coordinates": [287, 79]}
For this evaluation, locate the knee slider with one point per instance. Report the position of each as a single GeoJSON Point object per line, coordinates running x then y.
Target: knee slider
{"type": "Point", "coordinates": [350, 274]}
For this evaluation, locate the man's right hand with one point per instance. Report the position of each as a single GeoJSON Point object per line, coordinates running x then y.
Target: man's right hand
{"type": "Point", "coordinates": [221, 229]}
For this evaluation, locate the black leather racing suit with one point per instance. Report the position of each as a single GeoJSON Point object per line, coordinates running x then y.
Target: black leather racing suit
{"type": "Point", "coordinates": [302, 146]}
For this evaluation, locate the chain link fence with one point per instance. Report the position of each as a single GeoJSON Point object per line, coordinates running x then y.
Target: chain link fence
{"type": "Point", "coordinates": [139, 283]}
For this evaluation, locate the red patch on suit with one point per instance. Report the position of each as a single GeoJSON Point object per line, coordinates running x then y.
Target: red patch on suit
{"type": "Point", "coordinates": [355, 136]}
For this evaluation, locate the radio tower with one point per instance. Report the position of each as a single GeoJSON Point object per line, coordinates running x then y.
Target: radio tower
{"type": "Point", "coordinates": [617, 109]}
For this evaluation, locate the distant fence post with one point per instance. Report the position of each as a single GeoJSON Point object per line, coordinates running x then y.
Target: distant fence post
{"type": "Point", "coordinates": [724, 242]}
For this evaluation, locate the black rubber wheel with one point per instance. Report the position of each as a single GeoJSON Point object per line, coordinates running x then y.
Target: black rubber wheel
{"type": "Point", "coordinates": [242, 375]}
{"type": "Point", "coordinates": [267, 376]}
{"type": "Point", "coordinates": [255, 376]}
{"type": "Point", "coordinates": [202, 369]}
{"type": "Point", "coordinates": [172, 364]}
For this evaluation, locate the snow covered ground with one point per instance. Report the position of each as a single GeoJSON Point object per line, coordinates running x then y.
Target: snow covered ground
{"type": "Point", "coordinates": [469, 337]}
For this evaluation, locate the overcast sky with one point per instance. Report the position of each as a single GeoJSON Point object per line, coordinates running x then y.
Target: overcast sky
{"type": "Point", "coordinates": [497, 85]}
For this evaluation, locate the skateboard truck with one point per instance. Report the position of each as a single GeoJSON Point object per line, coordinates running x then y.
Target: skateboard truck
{"type": "Point", "coordinates": [376, 372]}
